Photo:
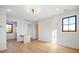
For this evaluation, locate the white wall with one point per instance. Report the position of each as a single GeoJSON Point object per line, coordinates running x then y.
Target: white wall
{"type": "Point", "coordinates": [46, 27]}
{"type": "Point", "coordinates": [21, 29]}
{"type": "Point", "coordinates": [32, 30]}
{"type": "Point", "coordinates": [2, 29]}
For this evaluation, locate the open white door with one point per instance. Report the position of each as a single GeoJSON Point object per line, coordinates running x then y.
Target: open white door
{"type": "Point", "coordinates": [54, 36]}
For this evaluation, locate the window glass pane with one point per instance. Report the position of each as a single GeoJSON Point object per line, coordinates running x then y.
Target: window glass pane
{"type": "Point", "coordinates": [72, 27]}
{"type": "Point", "coordinates": [65, 27]}
{"type": "Point", "coordinates": [65, 21]}
{"type": "Point", "coordinates": [8, 28]}
{"type": "Point", "coordinates": [71, 20]}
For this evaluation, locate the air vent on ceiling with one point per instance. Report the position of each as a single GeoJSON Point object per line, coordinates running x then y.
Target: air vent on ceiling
{"type": "Point", "coordinates": [65, 10]}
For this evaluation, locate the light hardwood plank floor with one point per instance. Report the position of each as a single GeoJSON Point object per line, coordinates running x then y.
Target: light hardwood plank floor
{"type": "Point", "coordinates": [36, 47]}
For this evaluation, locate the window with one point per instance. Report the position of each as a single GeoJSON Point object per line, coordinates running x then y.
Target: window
{"type": "Point", "coordinates": [9, 28]}
{"type": "Point", "coordinates": [69, 24]}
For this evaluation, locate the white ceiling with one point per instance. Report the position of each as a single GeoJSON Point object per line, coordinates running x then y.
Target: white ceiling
{"type": "Point", "coordinates": [21, 11]}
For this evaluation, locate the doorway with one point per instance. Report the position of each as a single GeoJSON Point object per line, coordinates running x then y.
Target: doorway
{"type": "Point", "coordinates": [11, 31]}
{"type": "Point", "coordinates": [54, 36]}
{"type": "Point", "coordinates": [37, 31]}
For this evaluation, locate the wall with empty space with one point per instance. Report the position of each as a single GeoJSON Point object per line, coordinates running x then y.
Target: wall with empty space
{"type": "Point", "coordinates": [47, 26]}
{"type": "Point", "coordinates": [21, 29]}
{"type": "Point", "coordinates": [32, 30]}
{"type": "Point", "coordinates": [45, 29]}
{"type": "Point", "coordinates": [3, 43]}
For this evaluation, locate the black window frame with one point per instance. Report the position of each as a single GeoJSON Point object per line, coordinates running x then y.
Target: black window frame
{"type": "Point", "coordinates": [69, 24]}
{"type": "Point", "coordinates": [11, 28]}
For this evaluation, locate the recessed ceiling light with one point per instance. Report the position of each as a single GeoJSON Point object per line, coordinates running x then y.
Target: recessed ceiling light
{"type": "Point", "coordinates": [8, 10]}
{"type": "Point", "coordinates": [57, 9]}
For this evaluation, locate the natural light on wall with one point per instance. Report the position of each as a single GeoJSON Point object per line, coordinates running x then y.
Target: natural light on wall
{"type": "Point", "coordinates": [54, 36]}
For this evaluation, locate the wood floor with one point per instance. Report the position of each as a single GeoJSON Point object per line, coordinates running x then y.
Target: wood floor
{"type": "Point", "coordinates": [36, 47]}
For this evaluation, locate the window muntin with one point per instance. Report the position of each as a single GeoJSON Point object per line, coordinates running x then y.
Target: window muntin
{"type": "Point", "coordinates": [69, 24]}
